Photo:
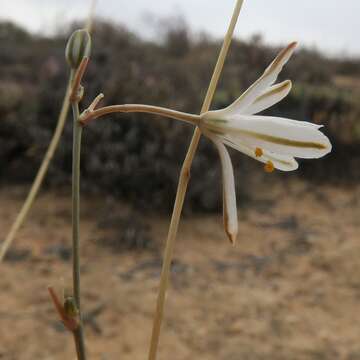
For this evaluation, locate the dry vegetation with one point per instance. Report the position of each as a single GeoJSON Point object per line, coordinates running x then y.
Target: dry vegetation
{"type": "Point", "coordinates": [119, 154]}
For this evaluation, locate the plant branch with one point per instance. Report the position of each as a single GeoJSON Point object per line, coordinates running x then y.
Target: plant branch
{"type": "Point", "coordinates": [182, 187]}
{"type": "Point", "coordinates": [91, 114]}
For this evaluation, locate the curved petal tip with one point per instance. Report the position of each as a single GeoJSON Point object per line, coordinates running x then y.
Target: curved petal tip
{"type": "Point", "coordinates": [232, 238]}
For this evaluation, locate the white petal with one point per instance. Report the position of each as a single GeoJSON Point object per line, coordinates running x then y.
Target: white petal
{"type": "Point", "coordinates": [229, 195]}
{"type": "Point", "coordinates": [280, 162]}
{"type": "Point", "coordinates": [259, 86]}
{"type": "Point", "coordinates": [269, 98]}
{"type": "Point", "coordinates": [279, 135]}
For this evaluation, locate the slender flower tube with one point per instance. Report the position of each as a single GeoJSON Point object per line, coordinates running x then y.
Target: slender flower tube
{"type": "Point", "coordinates": [272, 140]}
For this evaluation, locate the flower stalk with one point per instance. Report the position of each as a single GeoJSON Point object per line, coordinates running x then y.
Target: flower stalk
{"type": "Point", "coordinates": [70, 313]}
{"type": "Point", "coordinates": [182, 187]}
{"type": "Point", "coordinates": [91, 114]}
{"type": "Point", "coordinates": [76, 96]}
{"type": "Point", "coordinates": [77, 132]}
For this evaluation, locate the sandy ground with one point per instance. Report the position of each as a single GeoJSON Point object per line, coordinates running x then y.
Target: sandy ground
{"type": "Point", "coordinates": [289, 289]}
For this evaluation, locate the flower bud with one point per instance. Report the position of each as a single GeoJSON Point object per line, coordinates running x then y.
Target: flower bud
{"type": "Point", "coordinates": [77, 48]}
{"type": "Point", "coordinates": [70, 307]}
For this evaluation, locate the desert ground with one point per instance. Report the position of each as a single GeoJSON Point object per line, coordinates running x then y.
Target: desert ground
{"type": "Point", "coordinates": [288, 289]}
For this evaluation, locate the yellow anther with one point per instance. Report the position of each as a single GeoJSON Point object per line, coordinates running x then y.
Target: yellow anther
{"type": "Point", "coordinates": [269, 167]}
{"type": "Point", "coordinates": [258, 152]}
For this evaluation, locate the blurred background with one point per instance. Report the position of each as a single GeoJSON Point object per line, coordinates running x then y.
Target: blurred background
{"type": "Point", "coordinates": [288, 289]}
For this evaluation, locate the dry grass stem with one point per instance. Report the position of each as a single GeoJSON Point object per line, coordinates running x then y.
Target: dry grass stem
{"type": "Point", "coordinates": [182, 187]}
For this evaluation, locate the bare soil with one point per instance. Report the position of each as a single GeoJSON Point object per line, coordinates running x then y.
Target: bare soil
{"type": "Point", "coordinates": [289, 289]}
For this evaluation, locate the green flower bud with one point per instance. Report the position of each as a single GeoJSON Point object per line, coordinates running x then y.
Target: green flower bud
{"type": "Point", "coordinates": [78, 47]}
{"type": "Point", "coordinates": [70, 307]}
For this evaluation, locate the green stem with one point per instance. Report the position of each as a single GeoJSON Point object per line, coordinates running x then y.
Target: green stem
{"type": "Point", "coordinates": [79, 343]}
{"type": "Point", "coordinates": [78, 334]}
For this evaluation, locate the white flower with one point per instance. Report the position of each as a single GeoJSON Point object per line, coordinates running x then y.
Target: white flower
{"type": "Point", "coordinates": [272, 140]}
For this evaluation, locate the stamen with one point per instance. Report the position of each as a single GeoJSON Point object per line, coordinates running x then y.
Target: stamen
{"type": "Point", "coordinates": [269, 167]}
{"type": "Point", "coordinates": [258, 152]}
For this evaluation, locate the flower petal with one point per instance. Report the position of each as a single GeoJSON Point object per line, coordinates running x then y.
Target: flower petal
{"type": "Point", "coordinates": [280, 162]}
{"type": "Point", "coordinates": [279, 135]}
{"type": "Point", "coordinates": [229, 195]}
{"type": "Point", "coordinates": [259, 87]}
{"type": "Point", "coordinates": [269, 98]}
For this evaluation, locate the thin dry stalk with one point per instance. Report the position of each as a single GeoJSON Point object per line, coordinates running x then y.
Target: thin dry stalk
{"type": "Point", "coordinates": [40, 175]}
{"type": "Point", "coordinates": [182, 187]}
{"type": "Point", "coordinates": [35, 187]}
